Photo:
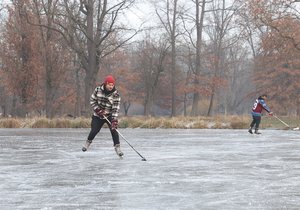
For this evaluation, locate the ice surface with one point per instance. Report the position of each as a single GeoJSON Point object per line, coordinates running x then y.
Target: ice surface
{"type": "Point", "coordinates": [185, 169]}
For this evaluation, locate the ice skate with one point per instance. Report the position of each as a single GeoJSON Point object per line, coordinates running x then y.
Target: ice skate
{"type": "Point", "coordinates": [118, 150]}
{"type": "Point", "coordinates": [257, 132]}
{"type": "Point", "coordinates": [250, 130]}
{"type": "Point", "coordinates": [87, 145]}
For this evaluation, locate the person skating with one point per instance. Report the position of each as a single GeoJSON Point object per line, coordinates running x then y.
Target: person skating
{"type": "Point", "coordinates": [105, 101]}
{"type": "Point", "coordinates": [258, 106]}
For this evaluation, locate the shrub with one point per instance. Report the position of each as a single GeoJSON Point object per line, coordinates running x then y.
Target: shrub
{"type": "Point", "coordinates": [81, 123]}
{"type": "Point", "coordinates": [239, 125]}
{"type": "Point", "coordinates": [10, 123]}
{"type": "Point", "coordinates": [41, 123]}
{"type": "Point", "coordinates": [61, 123]}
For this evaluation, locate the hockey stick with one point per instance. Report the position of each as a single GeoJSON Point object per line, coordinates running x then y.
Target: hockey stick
{"type": "Point", "coordinates": [281, 121]}
{"type": "Point", "coordinates": [143, 159]}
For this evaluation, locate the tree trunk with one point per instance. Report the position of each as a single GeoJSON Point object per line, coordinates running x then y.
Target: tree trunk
{"type": "Point", "coordinates": [3, 107]}
{"type": "Point", "coordinates": [148, 103]}
{"type": "Point", "coordinates": [78, 94]}
{"type": "Point", "coordinates": [89, 82]}
{"type": "Point", "coordinates": [126, 106]}
{"type": "Point", "coordinates": [49, 91]}
{"type": "Point", "coordinates": [92, 68]}
{"type": "Point", "coordinates": [298, 107]}
{"type": "Point", "coordinates": [199, 26]}
{"type": "Point", "coordinates": [173, 62]}
{"type": "Point", "coordinates": [211, 103]}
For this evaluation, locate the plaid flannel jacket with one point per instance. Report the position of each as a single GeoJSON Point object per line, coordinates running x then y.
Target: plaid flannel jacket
{"type": "Point", "coordinates": [110, 103]}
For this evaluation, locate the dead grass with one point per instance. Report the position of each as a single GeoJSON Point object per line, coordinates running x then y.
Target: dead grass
{"type": "Point", "coordinates": [41, 123]}
{"type": "Point", "coordinates": [44, 123]}
{"type": "Point", "coordinates": [81, 123]}
{"type": "Point", "coordinates": [222, 122]}
{"type": "Point", "coordinates": [272, 122]}
{"type": "Point", "coordinates": [9, 123]}
{"type": "Point", "coordinates": [180, 122]}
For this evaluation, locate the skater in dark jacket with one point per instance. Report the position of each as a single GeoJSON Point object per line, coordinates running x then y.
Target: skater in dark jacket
{"type": "Point", "coordinates": [258, 106]}
{"type": "Point", "coordinates": [105, 102]}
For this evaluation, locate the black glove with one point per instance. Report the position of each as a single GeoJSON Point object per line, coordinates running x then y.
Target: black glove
{"type": "Point", "coordinates": [100, 112]}
{"type": "Point", "coordinates": [114, 124]}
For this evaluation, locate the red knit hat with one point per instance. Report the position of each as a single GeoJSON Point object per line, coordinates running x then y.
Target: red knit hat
{"type": "Point", "coordinates": [109, 79]}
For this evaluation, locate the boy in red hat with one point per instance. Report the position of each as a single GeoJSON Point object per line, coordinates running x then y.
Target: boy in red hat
{"type": "Point", "coordinates": [105, 102]}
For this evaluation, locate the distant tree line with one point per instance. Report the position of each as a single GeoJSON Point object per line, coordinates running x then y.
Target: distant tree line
{"type": "Point", "coordinates": [190, 57]}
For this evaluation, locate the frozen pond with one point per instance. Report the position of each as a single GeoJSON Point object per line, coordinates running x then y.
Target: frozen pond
{"type": "Point", "coordinates": [185, 169]}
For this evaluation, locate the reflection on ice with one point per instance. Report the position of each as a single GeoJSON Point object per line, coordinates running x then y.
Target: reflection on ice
{"type": "Point", "coordinates": [185, 169]}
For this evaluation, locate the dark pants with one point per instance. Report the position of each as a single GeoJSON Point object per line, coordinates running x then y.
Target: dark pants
{"type": "Point", "coordinates": [256, 121]}
{"type": "Point", "coordinates": [96, 126]}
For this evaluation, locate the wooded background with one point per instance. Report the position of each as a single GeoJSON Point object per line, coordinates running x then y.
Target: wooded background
{"type": "Point", "coordinates": [180, 57]}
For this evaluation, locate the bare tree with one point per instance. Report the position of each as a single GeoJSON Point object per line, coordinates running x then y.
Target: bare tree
{"type": "Point", "coordinates": [199, 19]}
{"type": "Point", "coordinates": [54, 53]}
{"type": "Point", "coordinates": [2, 89]}
{"type": "Point", "coordinates": [151, 64]}
{"type": "Point", "coordinates": [92, 30]}
{"type": "Point", "coordinates": [221, 39]}
{"type": "Point", "coordinates": [169, 17]}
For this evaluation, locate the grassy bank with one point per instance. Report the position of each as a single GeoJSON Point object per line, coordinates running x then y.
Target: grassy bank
{"type": "Point", "coordinates": [217, 122]}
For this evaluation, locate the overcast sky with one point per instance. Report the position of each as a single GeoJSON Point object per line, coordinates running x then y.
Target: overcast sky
{"type": "Point", "coordinates": [141, 13]}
